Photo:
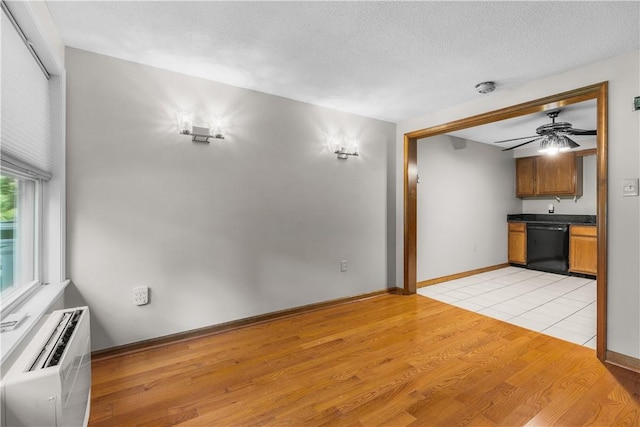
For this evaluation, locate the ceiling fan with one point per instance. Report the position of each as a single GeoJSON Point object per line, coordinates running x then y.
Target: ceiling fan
{"type": "Point", "coordinates": [552, 136]}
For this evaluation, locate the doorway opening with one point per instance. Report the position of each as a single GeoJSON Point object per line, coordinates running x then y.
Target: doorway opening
{"type": "Point", "coordinates": [598, 92]}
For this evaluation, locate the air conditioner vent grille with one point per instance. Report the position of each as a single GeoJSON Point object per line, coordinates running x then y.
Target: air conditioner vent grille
{"type": "Point", "coordinates": [52, 351]}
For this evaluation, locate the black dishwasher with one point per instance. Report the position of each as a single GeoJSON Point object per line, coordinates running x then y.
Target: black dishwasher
{"type": "Point", "coordinates": [548, 247]}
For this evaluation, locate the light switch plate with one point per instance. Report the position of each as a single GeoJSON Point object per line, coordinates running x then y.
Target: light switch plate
{"type": "Point", "coordinates": [630, 187]}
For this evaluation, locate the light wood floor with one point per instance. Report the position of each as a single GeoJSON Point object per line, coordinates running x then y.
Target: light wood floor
{"type": "Point", "coordinates": [390, 360]}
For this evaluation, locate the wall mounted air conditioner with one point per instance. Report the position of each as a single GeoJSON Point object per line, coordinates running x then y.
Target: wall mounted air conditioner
{"type": "Point", "coordinates": [50, 383]}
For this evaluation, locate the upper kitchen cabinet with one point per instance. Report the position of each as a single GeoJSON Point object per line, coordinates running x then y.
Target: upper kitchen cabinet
{"type": "Point", "coordinates": [525, 176]}
{"type": "Point", "coordinates": [557, 175]}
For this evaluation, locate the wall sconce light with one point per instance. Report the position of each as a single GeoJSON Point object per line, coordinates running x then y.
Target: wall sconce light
{"type": "Point", "coordinates": [198, 134]}
{"type": "Point", "coordinates": [343, 147]}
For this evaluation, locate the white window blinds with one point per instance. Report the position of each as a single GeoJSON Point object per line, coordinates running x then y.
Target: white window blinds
{"type": "Point", "coordinates": [25, 106]}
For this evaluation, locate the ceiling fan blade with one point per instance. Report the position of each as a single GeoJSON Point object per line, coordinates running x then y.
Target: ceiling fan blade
{"type": "Point", "coordinates": [580, 132]}
{"type": "Point", "coordinates": [515, 139]}
{"type": "Point", "coordinates": [520, 145]}
{"type": "Point", "coordinates": [572, 143]}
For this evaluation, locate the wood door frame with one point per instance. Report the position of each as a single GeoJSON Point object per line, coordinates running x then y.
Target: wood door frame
{"type": "Point", "coordinates": [599, 92]}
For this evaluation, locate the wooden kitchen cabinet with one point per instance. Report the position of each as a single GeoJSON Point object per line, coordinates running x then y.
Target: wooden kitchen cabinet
{"type": "Point", "coordinates": [583, 249]}
{"type": "Point", "coordinates": [556, 175]}
{"type": "Point", "coordinates": [517, 243]}
{"type": "Point", "coordinates": [525, 176]}
{"type": "Point", "coordinates": [559, 175]}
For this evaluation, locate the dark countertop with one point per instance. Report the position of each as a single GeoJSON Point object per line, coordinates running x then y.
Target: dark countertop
{"type": "Point", "coordinates": [552, 219]}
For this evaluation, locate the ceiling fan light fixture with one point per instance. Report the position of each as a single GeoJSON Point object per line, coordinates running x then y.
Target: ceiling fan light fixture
{"type": "Point", "coordinates": [485, 87]}
{"type": "Point", "coordinates": [553, 143]}
{"type": "Point", "coordinates": [563, 144]}
{"type": "Point", "coordinates": [547, 146]}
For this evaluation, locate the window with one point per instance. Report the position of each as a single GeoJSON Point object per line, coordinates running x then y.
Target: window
{"type": "Point", "coordinates": [19, 234]}
{"type": "Point", "coordinates": [32, 169]}
{"type": "Point", "coordinates": [25, 161]}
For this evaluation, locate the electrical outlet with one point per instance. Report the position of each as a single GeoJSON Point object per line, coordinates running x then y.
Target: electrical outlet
{"type": "Point", "coordinates": [343, 266]}
{"type": "Point", "coordinates": [141, 295]}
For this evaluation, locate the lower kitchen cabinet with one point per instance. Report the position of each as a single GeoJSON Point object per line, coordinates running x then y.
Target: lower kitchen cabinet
{"type": "Point", "coordinates": [583, 249]}
{"type": "Point", "coordinates": [518, 243]}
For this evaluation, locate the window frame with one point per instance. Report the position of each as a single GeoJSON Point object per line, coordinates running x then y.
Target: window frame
{"type": "Point", "coordinates": [19, 291]}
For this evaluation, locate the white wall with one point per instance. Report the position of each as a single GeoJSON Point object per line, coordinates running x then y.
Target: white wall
{"type": "Point", "coordinates": [624, 162]}
{"type": "Point", "coordinates": [465, 192]}
{"type": "Point", "coordinates": [252, 224]}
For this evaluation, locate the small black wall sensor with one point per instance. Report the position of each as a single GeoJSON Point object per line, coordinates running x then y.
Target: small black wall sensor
{"type": "Point", "coordinates": [636, 103]}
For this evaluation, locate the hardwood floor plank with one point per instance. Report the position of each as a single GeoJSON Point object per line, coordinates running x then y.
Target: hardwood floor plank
{"type": "Point", "coordinates": [402, 419]}
{"type": "Point", "coordinates": [389, 360]}
{"type": "Point", "coordinates": [629, 415]}
{"type": "Point", "coordinates": [595, 401]}
{"type": "Point", "coordinates": [481, 421]}
{"type": "Point", "coordinates": [434, 409]}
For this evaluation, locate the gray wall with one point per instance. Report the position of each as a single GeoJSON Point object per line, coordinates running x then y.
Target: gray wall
{"type": "Point", "coordinates": [465, 192]}
{"type": "Point", "coordinates": [623, 322]}
{"type": "Point", "coordinates": [252, 224]}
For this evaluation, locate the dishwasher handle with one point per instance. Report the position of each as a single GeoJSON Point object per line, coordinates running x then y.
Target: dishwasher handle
{"type": "Point", "coordinates": [553, 227]}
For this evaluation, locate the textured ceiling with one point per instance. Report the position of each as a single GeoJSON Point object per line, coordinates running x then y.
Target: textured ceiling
{"type": "Point", "coordinates": [387, 60]}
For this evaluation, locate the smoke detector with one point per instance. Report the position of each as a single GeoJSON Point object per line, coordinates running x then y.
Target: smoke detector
{"type": "Point", "coordinates": [486, 87]}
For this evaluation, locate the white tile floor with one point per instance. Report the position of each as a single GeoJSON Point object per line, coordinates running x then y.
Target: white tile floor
{"type": "Point", "coordinates": [561, 306]}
